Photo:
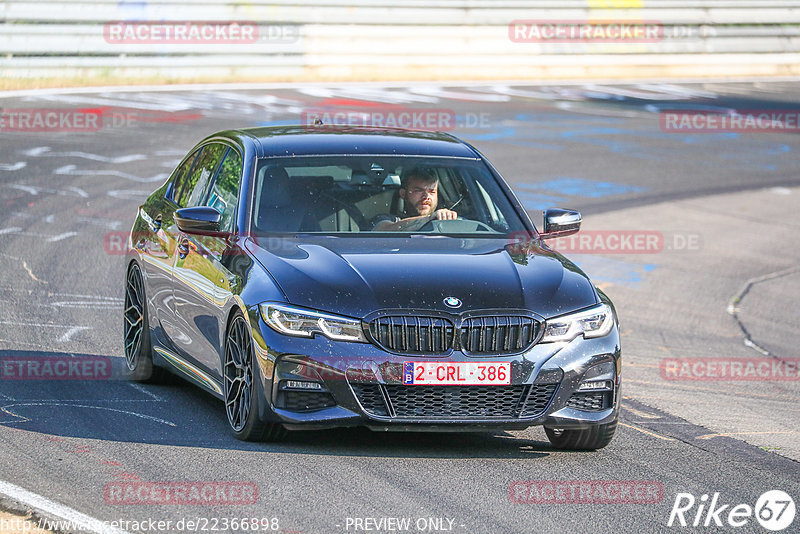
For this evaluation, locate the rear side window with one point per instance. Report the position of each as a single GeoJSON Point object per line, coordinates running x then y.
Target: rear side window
{"type": "Point", "coordinates": [196, 182]}
{"type": "Point", "coordinates": [225, 191]}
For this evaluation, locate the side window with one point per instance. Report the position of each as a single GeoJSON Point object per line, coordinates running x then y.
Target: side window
{"type": "Point", "coordinates": [180, 175]}
{"type": "Point", "coordinates": [196, 183]}
{"type": "Point", "coordinates": [225, 190]}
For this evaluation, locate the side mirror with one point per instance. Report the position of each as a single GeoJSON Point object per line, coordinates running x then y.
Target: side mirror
{"type": "Point", "coordinates": [198, 220]}
{"type": "Point", "coordinates": [560, 222]}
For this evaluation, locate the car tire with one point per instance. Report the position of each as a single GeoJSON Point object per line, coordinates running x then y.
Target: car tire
{"type": "Point", "coordinates": [241, 392]}
{"type": "Point", "coordinates": [582, 439]}
{"type": "Point", "coordinates": [136, 332]}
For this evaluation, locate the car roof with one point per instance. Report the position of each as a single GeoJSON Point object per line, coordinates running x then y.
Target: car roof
{"type": "Point", "coordinates": [278, 141]}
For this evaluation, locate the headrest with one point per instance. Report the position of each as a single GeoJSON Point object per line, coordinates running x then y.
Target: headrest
{"type": "Point", "coordinates": [275, 190]}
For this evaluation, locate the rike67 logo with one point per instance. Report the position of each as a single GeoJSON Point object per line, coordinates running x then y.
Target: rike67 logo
{"type": "Point", "coordinates": [774, 510]}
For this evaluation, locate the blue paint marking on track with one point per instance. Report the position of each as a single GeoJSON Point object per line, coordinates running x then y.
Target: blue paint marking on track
{"type": "Point", "coordinates": [535, 201]}
{"type": "Point", "coordinates": [504, 133]}
{"type": "Point", "coordinates": [580, 187]}
{"type": "Point", "coordinates": [611, 270]}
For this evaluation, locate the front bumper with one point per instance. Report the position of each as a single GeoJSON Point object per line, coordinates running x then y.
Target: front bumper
{"type": "Point", "coordinates": [357, 379]}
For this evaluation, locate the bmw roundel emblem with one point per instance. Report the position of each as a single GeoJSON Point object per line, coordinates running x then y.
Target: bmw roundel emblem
{"type": "Point", "coordinates": [452, 302]}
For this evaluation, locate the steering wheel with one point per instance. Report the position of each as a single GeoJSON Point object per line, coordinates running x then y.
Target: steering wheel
{"type": "Point", "coordinates": [436, 225]}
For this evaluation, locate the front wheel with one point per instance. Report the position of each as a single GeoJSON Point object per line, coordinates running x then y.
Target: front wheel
{"type": "Point", "coordinates": [582, 439]}
{"type": "Point", "coordinates": [242, 397]}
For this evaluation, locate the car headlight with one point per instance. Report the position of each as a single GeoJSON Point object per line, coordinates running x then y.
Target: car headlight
{"type": "Point", "coordinates": [594, 322]}
{"type": "Point", "coordinates": [300, 322]}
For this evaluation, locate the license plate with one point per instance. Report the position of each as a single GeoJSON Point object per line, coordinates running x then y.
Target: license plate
{"type": "Point", "coordinates": [457, 373]}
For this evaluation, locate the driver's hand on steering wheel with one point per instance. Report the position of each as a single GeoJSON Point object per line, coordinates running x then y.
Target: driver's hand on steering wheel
{"type": "Point", "coordinates": [444, 215]}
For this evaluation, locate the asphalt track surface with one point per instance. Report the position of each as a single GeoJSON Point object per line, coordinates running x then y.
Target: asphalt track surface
{"type": "Point", "coordinates": [725, 204]}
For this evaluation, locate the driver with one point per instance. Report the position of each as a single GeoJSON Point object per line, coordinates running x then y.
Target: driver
{"type": "Point", "coordinates": [420, 192]}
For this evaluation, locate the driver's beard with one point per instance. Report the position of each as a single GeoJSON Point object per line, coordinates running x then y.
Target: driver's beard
{"type": "Point", "coordinates": [411, 211]}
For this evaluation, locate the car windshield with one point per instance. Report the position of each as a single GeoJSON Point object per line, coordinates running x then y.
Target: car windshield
{"type": "Point", "coordinates": [372, 195]}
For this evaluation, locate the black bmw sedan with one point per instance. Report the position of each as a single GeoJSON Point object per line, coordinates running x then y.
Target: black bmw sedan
{"type": "Point", "coordinates": [319, 276]}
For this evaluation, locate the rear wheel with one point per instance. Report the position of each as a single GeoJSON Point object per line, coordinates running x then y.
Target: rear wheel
{"type": "Point", "coordinates": [138, 350]}
{"type": "Point", "coordinates": [242, 396]}
{"type": "Point", "coordinates": [587, 439]}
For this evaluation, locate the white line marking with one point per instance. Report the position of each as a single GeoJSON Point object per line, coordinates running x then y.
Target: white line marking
{"type": "Point", "coordinates": [138, 387]}
{"type": "Point", "coordinates": [71, 332]}
{"type": "Point", "coordinates": [55, 294]}
{"type": "Point", "coordinates": [61, 237]}
{"type": "Point", "coordinates": [12, 166]}
{"type": "Point", "coordinates": [72, 170]}
{"type": "Point", "coordinates": [45, 151]}
{"type": "Point", "coordinates": [27, 188]}
{"type": "Point", "coordinates": [458, 95]}
{"type": "Point", "coordinates": [49, 238]}
{"type": "Point", "coordinates": [16, 323]}
{"type": "Point", "coordinates": [93, 297]}
{"type": "Point", "coordinates": [80, 191]}
{"type": "Point", "coordinates": [87, 305]}
{"type": "Point", "coordinates": [36, 501]}
{"type": "Point", "coordinates": [23, 419]}
{"type": "Point", "coordinates": [106, 223]}
{"type": "Point", "coordinates": [35, 190]}
{"type": "Point", "coordinates": [128, 194]}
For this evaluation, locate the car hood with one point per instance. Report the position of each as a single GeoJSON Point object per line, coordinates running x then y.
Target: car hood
{"type": "Point", "coordinates": [358, 276]}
